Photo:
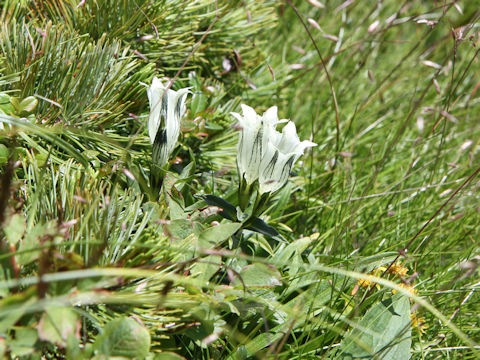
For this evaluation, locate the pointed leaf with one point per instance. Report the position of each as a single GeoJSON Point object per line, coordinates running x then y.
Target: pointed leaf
{"type": "Point", "coordinates": [216, 234]}
{"type": "Point", "coordinates": [259, 276]}
{"type": "Point", "coordinates": [24, 342]}
{"type": "Point", "coordinates": [384, 332]}
{"type": "Point", "coordinates": [180, 228]}
{"type": "Point", "coordinates": [124, 337]}
{"type": "Point", "coordinates": [57, 324]}
{"type": "Point", "coordinates": [229, 211]}
{"type": "Point", "coordinates": [15, 228]}
{"type": "Point", "coordinates": [260, 226]}
{"type": "Point", "coordinates": [28, 104]}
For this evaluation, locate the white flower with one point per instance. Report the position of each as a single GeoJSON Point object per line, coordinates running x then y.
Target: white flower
{"type": "Point", "coordinates": [264, 154]}
{"type": "Point", "coordinates": [253, 141]}
{"type": "Point", "coordinates": [283, 150]}
{"type": "Point", "coordinates": [166, 110]}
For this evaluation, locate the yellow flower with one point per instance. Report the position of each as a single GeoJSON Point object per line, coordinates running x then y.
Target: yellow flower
{"type": "Point", "coordinates": [418, 322]}
{"type": "Point", "coordinates": [398, 269]}
{"type": "Point", "coordinates": [410, 288]}
{"type": "Point", "coordinates": [378, 271]}
{"type": "Point", "coordinates": [367, 283]}
{"type": "Point", "coordinates": [364, 283]}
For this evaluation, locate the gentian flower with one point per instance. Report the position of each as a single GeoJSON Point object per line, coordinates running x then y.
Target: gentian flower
{"type": "Point", "coordinates": [167, 108]}
{"type": "Point", "coordinates": [265, 156]}
{"type": "Point", "coordinates": [283, 150]}
{"type": "Point", "coordinates": [253, 140]}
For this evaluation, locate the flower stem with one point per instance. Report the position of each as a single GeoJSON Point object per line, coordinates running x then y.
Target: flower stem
{"type": "Point", "coordinates": [244, 193]}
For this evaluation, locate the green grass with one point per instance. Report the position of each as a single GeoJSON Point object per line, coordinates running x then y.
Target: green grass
{"type": "Point", "coordinates": [394, 178]}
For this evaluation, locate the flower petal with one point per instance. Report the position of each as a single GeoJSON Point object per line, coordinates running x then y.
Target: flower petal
{"type": "Point", "coordinates": [155, 93]}
{"type": "Point", "coordinates": [275, 170]}
{"type": "Point", "coordinates": [166, 110]}
{"type": "Point", "coordinates": [249, 114]}
{"type": "Point", "coordinates": [263, 152]}
{"type": "Point", "coordinates": [271, 116]}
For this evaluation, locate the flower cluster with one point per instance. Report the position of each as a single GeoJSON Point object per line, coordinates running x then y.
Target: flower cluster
{"type": "Point", "coordinates": [265, 156]}
{"type": "Point", "coordinates": [419, 323]}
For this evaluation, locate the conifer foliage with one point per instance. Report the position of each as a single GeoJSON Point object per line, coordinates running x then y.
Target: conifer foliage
{"type": "Point", "coordinates": [148, 212]}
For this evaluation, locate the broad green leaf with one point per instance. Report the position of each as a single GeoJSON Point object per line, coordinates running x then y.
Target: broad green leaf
{"type": "Point", "coordinates": [262, 243]}
{"type": "Point", "coordinates": [199, 102]}
{"type": "Point", "coordinates": [216, 234]}
{"type": "Point", "coordinates": [384, 332]}
{"type": "Point", "coordinates": [58, 324]}
{"type": "Point", "coordinates": [124, 337]}
{"type": "Point", "coordinates": [15, 228]}
{"type": "Point", "coordinates": [24, 341]}
{"type": "Point", "coordinates": [174, 198]}
{"type": "Point", "coordinates": [284, 253]}
{"type": "Point", "coordinates": [4, 99]}
{"type": "Point", "coordinates": [262, 341]}
{"type": "Point", "coordinates": [15, 103]}
{"type": "Point", "coordinates": [206, 267]}
{"type": "Point", "coordinates": [180, 228]}
{"type": "Point", "coordinates": [14, 307]}
{"type": "Point", "coordinates": [28, 104]}
{"type": "Point", "coordinates": [29, 246]}
{"type": "Point", "coordinates": [186, 175]}
{"type": "Point", "coordinates": [259, 276]}
{"type": "Point", "coordinates": [74, 349]}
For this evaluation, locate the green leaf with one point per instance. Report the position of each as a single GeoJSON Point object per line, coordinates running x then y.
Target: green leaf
{"type": "Point", "coordinates": [58, 324]}
{"type": "Point", "coordinates": [28, 104]}
{"type": "Point", "coordinates": [199, 102]}
{"type": "Point", "coordinates": [259, 276]}
{"type": "Point", "coordinates": [200, 331]}
{"type": "Point", "coordinates": [229, 212]}
{"type": "Point", "coordinates": [3, 154]}
{"type": "Point", "coordinates": [260, 342]}
{"type": "Point", "coordinates": [180, 228]}
{"type": "Point", "coordinates": [4, 99]}
{"type": "Point", "coordinates": [217, 234]}
{"type": "Point", "coordinates": [205, 269]}
{"type": "Point", "coordinates": [284, 253]}
{"type": "Point", "coordinates": [168, 356]}
{"type": "Point", "coordinates": [124, 337]}
{"type": "Point", "coordinates": [15, 103]}
{"type": "Point", "coordinates": [24, 341]}
{"type": "Point", "coordinates": [185, 177]}
{"type": "Point", "coordinates": [209, 125]}
{"type": "Point", "coordinates": [15, 228]}
{"type": "Point", "coordinates": [14, 307]}
{"type": "Point", "coordinates": [384, 332]}
{"type": "Point", "coordinates": [260, 226]}
{"type": "Point", "coordinates": [29, 244]}
{"type": "Point", "coordinates": [174, 198]}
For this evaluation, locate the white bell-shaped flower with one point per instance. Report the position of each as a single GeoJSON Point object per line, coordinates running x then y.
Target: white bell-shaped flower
{"type": "Point", "coordinates": [264, 154]}
{"type": "Point", "coordinates": [253, 141]}
{"type": "Point", "coordinates": [283, 150]}
{"type": "Point", "coordinates": [167, 108]}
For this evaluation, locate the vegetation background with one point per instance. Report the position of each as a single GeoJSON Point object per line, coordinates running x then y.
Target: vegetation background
{"type": "Point", "coordinates": [92, 268]}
